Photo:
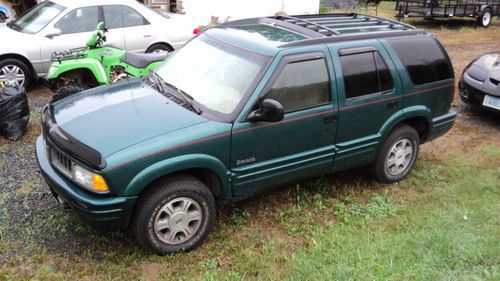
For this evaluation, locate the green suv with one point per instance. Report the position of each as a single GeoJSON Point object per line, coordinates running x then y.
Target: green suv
{"type": "Point", "coordinates": [243, 107]}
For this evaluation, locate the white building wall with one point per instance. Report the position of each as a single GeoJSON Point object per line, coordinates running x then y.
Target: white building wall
{"type": "Point", "coordinates": [202, 11]}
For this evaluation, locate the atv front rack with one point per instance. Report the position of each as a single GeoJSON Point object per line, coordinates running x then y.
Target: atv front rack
{"type": "Point", "coordinates": [77, 53]}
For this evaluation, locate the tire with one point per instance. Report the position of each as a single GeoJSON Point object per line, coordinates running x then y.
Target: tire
{"type": "Point", "coordinates": [484, 19]}
{"type": "Point", "coordinates": [2, 17]}
{"type": "Point", "coordinates": [159, 48]}
{"type": "Point", "coordinates": [172, 236]}
{"type": "Point", "coordinates": [15, 72]}
{"type": "Point", "coordinates": [68, 90]}
{"type": "Point", "coordinates": [393, 163]}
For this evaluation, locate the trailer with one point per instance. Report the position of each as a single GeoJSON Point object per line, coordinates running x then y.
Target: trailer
{"type": "Point", "coordinates": [482, 10]}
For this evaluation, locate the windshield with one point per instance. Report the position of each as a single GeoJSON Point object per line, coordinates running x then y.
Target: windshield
{"type": "Point", "coordinates": [37, 18]}
{"type": "Point", "coordinates": [213, 73]}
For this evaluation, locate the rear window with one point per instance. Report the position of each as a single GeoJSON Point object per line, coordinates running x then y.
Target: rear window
{"type": "Point", "coordinates": [424, 59]}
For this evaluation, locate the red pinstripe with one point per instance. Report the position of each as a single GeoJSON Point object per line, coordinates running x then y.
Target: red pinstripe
{"type": "Point", "coordinates": [272, 124]}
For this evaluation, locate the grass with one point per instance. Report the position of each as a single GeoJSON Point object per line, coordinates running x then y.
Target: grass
{"type": "Point", "coordinates": [441, 223]}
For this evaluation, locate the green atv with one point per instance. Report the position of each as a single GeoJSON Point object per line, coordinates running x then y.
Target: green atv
{"type": "Point", "coordinates": [75, 70]}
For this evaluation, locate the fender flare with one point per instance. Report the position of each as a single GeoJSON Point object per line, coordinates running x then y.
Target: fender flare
{"type": "Point", "coordinates": [405, 114]}
{"type": "Point", "coordinates": [482, 8]}
{"type": "Point", "coordinates": [179, 164]}
{"type": "Point", "coordinates": [90, 64]}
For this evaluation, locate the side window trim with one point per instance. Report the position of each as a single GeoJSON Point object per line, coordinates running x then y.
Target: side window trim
{"type": "Point", "coordinates": [286, 60]}
{"type": "Point", "coordinates": [283, 63]}
{"type": "Point", "coordinates": [361, 50]}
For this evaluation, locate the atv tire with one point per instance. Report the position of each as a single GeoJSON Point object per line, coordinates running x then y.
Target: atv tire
{"type": "Point", "coordinates": [68, 90]}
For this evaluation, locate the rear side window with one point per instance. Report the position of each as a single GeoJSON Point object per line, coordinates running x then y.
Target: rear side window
{"type": "Point", "coordinates": [301, 85]}
{"type": "Point", "coordinates": [424, 59]}
{"type": "Point", "coordinates": [364, 74]}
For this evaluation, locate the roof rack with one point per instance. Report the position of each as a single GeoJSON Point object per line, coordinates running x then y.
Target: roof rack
{"type": "Point", "coordinates": [343, 24]}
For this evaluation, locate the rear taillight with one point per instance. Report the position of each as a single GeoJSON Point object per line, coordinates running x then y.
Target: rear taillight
{"type": "Point", "coordinates": [196, 31]}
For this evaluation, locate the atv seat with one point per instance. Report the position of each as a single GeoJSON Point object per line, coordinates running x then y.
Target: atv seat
{"type": "Point", "coordinates": [143, 60]}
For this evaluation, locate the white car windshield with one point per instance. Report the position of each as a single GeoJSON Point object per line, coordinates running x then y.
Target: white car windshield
{"type": "Point", "coordinates": [214, 74]}
{"type": "Point", "coordinates": [37, 18]}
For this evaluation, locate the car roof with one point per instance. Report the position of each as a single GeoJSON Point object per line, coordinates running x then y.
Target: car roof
{"type": "Point", "coordinates": [268, 35]}
{"type": "Point", "coordinates": [73, 3]}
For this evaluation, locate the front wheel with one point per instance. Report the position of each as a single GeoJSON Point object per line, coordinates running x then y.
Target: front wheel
{"type": "Point", "coordinates": [398, 155]}
{"type": "Point", "coordinates": [68, 90]}
{"type": "Point", "coordinates": [174, 215]}
{"type": "Point", "coordinates": [485, 18]}
{"type": "Point", "coordinates": [15, 72]}
{"type": "Point", "coordinates": [2, 17]}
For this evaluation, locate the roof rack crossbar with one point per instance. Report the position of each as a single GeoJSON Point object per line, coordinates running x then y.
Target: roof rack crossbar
{"type": "Point", "coordinates": [390, 26]}
{"type": "Point", "coordinates": [325, 22]}
{"type": "Point", "coordinates": [365, 23]}
{"type": "Point", "coordinates": [310, 22]}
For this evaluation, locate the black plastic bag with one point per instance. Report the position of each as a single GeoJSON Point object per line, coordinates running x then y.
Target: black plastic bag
{"type": "Point", "coordinates": [14, 112]}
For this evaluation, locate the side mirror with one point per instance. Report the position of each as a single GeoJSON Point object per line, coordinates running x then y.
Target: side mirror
{"type": "Point", "coordinates": [270, 111]}
{"type": "Point", "coordinates": [53, 32]}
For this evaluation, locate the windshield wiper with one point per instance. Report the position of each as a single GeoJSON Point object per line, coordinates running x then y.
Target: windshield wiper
{"type": "Point", "coordinates": [185, 97]}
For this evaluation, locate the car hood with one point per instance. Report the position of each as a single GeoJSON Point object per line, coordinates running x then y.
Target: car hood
{"type": "Point", "coordinates": [13, 38]}
{"type": "Point", "coordinates": [487, 66]}
{"type": "Point", "coordinates": [111, 118]}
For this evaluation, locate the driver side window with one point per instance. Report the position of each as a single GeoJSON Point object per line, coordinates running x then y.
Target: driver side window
{"type": "Point", "coordinates": [79, 20]}
{"type": "Point", "coordinates": [301, 85]}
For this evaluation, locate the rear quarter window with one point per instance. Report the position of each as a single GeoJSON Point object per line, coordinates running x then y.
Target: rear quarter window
{"type": "Point", "coordinates": [424, 59]}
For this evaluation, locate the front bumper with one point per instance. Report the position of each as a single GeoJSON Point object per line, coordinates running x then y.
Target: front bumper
{"type": "Point", "coordinates": [110, 212]}
{"type": "Point", "coordinates": [472, 95]}
{"type": "Point", "coordinates": [441, 125]}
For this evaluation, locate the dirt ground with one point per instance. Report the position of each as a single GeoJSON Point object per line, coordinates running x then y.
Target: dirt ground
{"type": "Point", "coordinates": [28, 211]}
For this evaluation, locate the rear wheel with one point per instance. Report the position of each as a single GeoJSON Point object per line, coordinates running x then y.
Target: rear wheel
{"type": "Point", "coordinates": [398, 154]}
{"type": "Point", "coordinates": [2, 17]}
{"type": "Point", "coordinates": [157, 48]}
{"type": "Point", "coordinates": [485, 18]}
{"type": "Point", "coordinates": [174, 215]}
{"type": "Point", "coordinates": [15, 72]}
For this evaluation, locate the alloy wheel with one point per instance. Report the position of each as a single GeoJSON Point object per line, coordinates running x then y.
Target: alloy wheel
{"type": "Point", "coordinates": [12, 75]}
{"type": "Point", "coordinates": [178, 220]}
{"type": "Point", "coordinates": [399, 157]}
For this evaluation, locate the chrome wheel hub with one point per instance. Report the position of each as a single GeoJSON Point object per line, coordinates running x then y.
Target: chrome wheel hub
{"type": "Point", "coordinates": [177, 220]}
{"type": "Point", "coordinates": [12, 75]}
{"type": "Point", "coordinates": [399, 157]}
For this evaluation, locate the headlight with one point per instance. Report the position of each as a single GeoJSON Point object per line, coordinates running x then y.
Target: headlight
{"type": "Point", "coordinates": [91, 181]}
{"type": "Point", "coordinates": [52, 70]}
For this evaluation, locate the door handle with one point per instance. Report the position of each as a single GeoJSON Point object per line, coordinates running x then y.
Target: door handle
{"type": "Point", "coordinates": [147, 35]}
{"type": "Point", "coordinates": [391, 105]}
{"type": "Point", "coordinates": [329, 119]}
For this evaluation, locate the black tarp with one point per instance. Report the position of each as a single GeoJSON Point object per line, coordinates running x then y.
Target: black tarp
{"type": "Point", "coordinates": [14, 112]}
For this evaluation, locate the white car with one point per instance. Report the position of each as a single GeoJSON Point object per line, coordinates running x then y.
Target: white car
{"type": "Point", "coordinates": [58, 25]}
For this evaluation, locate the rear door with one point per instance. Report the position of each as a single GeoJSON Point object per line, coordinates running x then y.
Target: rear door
{"type": "Point", "coordinates": [128, 27]}
{"type": "Point", "coordinates": [265, 154]}
{"type": "Point", "coordinates": [369, 96]}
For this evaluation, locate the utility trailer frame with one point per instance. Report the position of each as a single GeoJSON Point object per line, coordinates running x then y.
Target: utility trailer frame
{"type": "Point", "coordinates": [482, 10]}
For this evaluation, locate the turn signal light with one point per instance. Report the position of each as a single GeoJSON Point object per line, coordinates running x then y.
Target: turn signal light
{"type": "Point", "coordinates": [99, 184]}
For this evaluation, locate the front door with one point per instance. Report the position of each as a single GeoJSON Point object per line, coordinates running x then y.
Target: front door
{"type": "Point", "coordinates": [76, 28]}
{"type": "Point", "coordinates": [370, 95]}
{"type": "Point", "coordinates": [265, 154]}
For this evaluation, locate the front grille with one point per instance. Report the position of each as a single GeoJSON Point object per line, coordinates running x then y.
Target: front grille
{"type": "Point", "coordinates": [61, 162]}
